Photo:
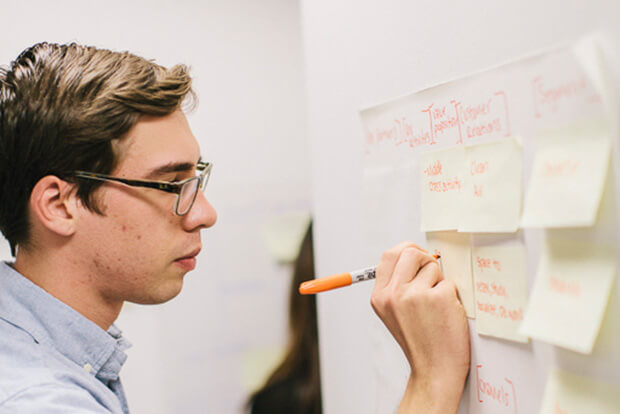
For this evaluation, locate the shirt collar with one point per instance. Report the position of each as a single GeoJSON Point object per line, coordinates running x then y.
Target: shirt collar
{"type": "Point", "coordinates": [53, 323]}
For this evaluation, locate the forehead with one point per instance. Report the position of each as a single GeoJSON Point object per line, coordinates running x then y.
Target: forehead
{"type": "Point", "coordinates": [155, 141]}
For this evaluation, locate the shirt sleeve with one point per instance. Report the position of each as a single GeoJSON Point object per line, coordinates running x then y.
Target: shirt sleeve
{"type": "Point", "coordinates": [52, 399]}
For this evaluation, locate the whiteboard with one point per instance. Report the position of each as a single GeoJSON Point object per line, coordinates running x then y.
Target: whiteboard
{"type": "Point", "coordinates": [549, 90]}
{"type": "Point", "coordinates": [389, 50]}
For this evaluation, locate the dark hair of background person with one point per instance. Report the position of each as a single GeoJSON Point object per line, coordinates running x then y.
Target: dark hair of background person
{"type": "Point", "coordinates": [295, 385]}
{"type": "Point", "coordinates": [62, 108]}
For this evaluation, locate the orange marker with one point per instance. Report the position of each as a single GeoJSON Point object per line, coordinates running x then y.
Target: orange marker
{"type": "Point", "coordinates": [340, 280]}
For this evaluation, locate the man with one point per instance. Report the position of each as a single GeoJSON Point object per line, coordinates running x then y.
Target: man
{"type": "Point", "coordinates": [99, 199]}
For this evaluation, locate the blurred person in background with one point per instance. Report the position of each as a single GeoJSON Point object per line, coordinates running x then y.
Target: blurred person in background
{"type": "Point", "coordinates": [295, 384]}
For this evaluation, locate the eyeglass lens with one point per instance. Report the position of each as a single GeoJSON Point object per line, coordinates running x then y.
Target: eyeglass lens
{"type": "Point", "coordinates": [187, 196]}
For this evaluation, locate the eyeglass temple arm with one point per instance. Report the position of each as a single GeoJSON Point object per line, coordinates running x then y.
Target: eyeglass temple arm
{"type": "Point", "coordinates": [168, 187]}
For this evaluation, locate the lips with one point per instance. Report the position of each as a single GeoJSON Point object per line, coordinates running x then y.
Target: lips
{"type": "Point", "coordinates": [188, 262]}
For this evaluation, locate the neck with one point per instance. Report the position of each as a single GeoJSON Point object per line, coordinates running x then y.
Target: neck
{"type": "Point", "coordinates": [63, 277]}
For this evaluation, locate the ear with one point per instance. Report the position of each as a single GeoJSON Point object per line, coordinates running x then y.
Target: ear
{"type": "Point", "coordinates": [52, 203]}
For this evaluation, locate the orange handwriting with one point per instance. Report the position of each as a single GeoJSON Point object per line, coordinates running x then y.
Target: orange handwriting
{"type": "Point", "coordinates": [550, 96]}
{"type": "Point", "coordinates": [492, 289]}
{"type": "Point", "coordinates": [478, 167]}
{"type": "Point", "coordinates": [435, 168]}
{"type": "Point", "coordinates": [564, 287]}
{"type": "Point", "coordinates": [487, 263]}
{"type": "Point", "coordinates": [444, 186]}
{"type": "Point", "coordinates": [504, 393]}
{"type": "Point", "coordinates": [560, 169]}
{"type": "Point", "coordinates": [500, 311]}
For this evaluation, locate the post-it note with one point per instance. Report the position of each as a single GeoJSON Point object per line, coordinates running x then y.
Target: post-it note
{"type": "Point", "coordinates": [570, 295]}
{"type": "Point", "coordinates": [492, 187]}
{"type": "Point", "coordinates": [568, 177]}
{"type": "Point", "coordinates": [441, 183]}
{"type": "Point", "coordinates": [500, 289]}
{"type": "Point", "coordinates": [567, 393]}
{"type": "Point", "coordinates": [455, 251]}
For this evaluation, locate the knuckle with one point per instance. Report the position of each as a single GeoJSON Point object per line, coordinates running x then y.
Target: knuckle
{"type": "Point", "coordinates": [389, 256]}
{"type": "Point", "coordinates": [434, 267]}
{"type": "Point", "coordinates": [378, 301]}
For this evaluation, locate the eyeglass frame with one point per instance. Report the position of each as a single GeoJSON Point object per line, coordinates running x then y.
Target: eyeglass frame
{"type": "Point", "coordinates": [174, 187]}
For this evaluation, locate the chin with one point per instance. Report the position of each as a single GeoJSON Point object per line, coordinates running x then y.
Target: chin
{"type": "Point", "coordinates": [163, 295]}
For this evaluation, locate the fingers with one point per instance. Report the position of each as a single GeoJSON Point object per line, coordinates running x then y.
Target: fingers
{"type": "Point", "coordinates": [409, 264]}
{"type": "Point", "coordinates": [387, 264]}
{"type": "Point", "coordinates": [429, 275]}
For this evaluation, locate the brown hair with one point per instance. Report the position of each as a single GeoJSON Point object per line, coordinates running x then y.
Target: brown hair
{"type": "Point", "coordinates": [61, 107]}
{"type": "Point", "coordinates": [300, 365]}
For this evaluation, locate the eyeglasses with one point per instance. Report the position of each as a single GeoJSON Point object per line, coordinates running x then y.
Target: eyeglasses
{"type": "Point", "coordinates": [185, 190]}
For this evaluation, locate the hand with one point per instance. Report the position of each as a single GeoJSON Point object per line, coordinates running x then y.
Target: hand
{"type": "Point", "coordinates": [422, 311]}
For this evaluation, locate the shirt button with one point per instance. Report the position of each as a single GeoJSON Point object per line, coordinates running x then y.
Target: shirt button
{"type": "Point", "coordinates": [88, 367]}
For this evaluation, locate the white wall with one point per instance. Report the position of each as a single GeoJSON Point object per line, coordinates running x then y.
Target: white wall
{"type": "Point", "coordinates": [363, 52]}
{"type": "Point", "coordinates": [200, 352]}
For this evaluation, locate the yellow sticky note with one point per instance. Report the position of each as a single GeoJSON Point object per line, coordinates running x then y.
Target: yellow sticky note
{"type": "Point", "coordinates": [441, 182]}
{"type": "Point", "coordinates": [455, 251]}
{"type": "Point", "coordinates": [568, 176]}
{"type": "Point", "coordinates": [491, 200]}
{"type": "Point", "coordinates": [572, 288]}
{"type": "Point", "coordinates": [571, 394]}
{"type": "Point", "coordinates": [500, 289]}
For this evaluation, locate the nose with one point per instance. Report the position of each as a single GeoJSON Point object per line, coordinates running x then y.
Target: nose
{"type": "Point", "coordinates": [202, 215]}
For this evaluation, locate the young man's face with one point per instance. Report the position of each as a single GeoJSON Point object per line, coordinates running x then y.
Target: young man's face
{"type": "Point", "coordinates": [139, 250]}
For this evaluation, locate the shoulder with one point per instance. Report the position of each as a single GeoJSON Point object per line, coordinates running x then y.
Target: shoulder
{"type": "Point", "coordinates": [29, 385]}
{"type": "Point", "coordinates": [21, 361]}
{"type": "Point", "coordinates": [51, 398]}
{"type": "Point", "coordinates": [36, 379]}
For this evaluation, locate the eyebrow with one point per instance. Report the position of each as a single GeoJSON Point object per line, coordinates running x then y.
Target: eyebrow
{"type": "Point", "coordinates": [170, 168]}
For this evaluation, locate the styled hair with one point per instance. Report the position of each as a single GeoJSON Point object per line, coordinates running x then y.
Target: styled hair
{"type": "Point", "coordinates": [295, 384]}
{"type": "Point", "coordinates": [61, 108]}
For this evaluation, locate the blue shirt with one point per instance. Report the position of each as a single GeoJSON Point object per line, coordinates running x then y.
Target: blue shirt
{"type": "Point", "coordinates": [53, 359]}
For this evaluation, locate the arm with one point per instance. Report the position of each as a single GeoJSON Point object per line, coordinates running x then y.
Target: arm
{"type": "Point", "coordinates": [422, 311]}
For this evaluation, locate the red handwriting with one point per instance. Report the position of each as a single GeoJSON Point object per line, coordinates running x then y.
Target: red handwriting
{"type": "Point", "coordinates": [560, 168]}
{"type": "Point", "coordinates": [478, 167]}
{"type": "Point", "coordinates": [564, 287]}
{"type": "Point", "coordinates": [444, 186]}
{"type": "Point", "coordinates": [454, 121]}
{"type": "Point", "coordinates": [549, 96]}
{"type": "Point", "coordinates": [439, 120]}
{"type": "Point", "coordinates": [399, 132]}
{"type": "Point", "coordinates": [492, 289]}
{"type": "Point", "coordinates": [488, 263]}
{"type": "Point", "coordinates": [500, 311]}
{"type": "Point", "coordinates": [498, 393]}
{"type": "Point", "coordinates": [484, 119]}
{"type": "Point", "coordinates": [434, 168]}
{"type": "Point", "coordinates": [477, 190]}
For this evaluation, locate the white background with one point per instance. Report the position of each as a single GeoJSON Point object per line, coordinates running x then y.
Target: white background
{"type": "Point", "coordinates": [191, 355]}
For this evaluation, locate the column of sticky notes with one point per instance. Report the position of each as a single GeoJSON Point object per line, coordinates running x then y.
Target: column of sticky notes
{"type": "Point", "coordinates": [468, 190]}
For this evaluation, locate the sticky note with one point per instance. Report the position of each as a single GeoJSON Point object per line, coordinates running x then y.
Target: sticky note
{"type": "Point", "coordinates": [441, 182]}
{"type": "Point", "coordinates": [500, 289]}
{"type": "Point", "coordinates": [568, 176]}
{"type": "Point", "coordinates": [567, 394]}
{"type": "Point", "coordinates": [570, 294]}
{"type": "Point", "coordinates": [455, 251]}
{"type": "Point", "coordinates": [492, 187]}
